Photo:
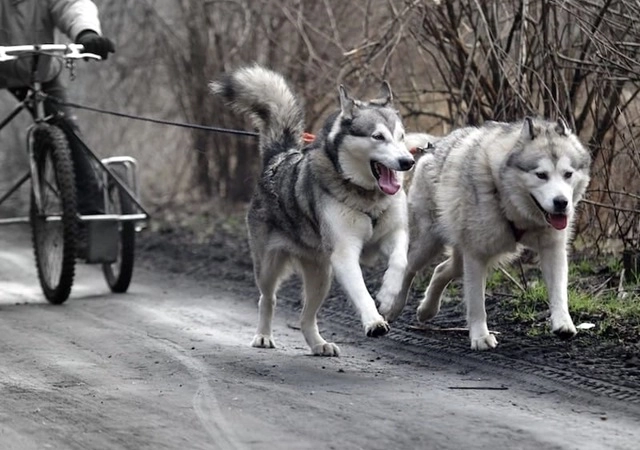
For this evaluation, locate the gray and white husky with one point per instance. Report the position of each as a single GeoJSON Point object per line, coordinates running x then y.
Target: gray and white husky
{"type": "Point", "coordinates": [322, 208]}
{"type": "Point", "coordinates": [486, 193]}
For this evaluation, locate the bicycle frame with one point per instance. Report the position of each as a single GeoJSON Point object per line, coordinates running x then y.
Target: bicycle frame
{"type": "Point", "coordinates": [32, 173]}
{"type": "Point", "coordinates": [34, 101]}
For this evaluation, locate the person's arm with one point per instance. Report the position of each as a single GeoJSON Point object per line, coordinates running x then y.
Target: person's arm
{"type": "Point", "coordinates": [73, 17]}
{"type": "Point", "coordinates": [78, 19]}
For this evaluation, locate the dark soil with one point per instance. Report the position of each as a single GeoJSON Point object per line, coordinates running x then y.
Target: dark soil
{"type": "Point", "coordinates": [611, 358]}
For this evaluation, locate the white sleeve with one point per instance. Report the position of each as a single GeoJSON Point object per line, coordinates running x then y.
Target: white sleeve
{"type": "Point", "coordinates": [75, 16]}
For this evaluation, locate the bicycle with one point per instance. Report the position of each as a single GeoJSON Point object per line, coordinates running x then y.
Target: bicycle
{"type": "Point", "coordinates": [53, 214]}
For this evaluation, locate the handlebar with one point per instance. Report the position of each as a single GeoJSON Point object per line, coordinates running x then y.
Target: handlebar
{"type": "Point", "coordinates": [67, 51]}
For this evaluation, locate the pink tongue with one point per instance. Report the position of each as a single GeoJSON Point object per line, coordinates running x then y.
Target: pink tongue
{"type": "Point", "coordinates": [558, 221]}
{"type": "Point", "coordinates": [387, 181]}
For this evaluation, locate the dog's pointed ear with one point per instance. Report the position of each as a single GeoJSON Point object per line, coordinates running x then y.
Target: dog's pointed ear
{"type": "Point", "coordinates": [562, 128]}
{"type": "Point", "coordinates": [385, 96]}
{"type": "Point", "coordinates": [346, 103]}
{"type": "Point", "coordinates": [529, 129]}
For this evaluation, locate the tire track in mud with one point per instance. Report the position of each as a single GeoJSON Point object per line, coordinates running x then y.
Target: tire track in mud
{"type": "Point", "coordinates": [234, 268]}
{"type": "Point", "coordinates": [205, 404]}
{"type": "Point", "coordinates": [427, 346]}
{"type": "Point", "coordinates": [415, 348]}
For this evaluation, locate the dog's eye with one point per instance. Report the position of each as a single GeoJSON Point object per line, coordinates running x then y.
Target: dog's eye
{"type": "Point", "coordinates": [378, 136]}
{"type": "Point", "coordinates": [567, 175]}
{"type": "Point", "coordinates": [542, 175]}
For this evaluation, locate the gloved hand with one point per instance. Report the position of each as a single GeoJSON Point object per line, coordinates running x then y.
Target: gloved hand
{"type": "Point", "coordinates": [96, 44]}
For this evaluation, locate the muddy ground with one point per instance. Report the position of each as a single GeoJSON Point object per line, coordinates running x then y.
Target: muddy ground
{"type": "Point", "coordinates": [168, 366]}
{"type": "Point", "coordinates": [602, 362]}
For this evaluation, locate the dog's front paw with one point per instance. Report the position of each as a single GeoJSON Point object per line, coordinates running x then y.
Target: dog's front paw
{"type": "Point", "coordinates": [377, 328]}
{"type": "Point", "coordinates": [326, 349]}
{"type": "Point", "coordinates": [563, 328]}
{"type": "Point", "coordinates": [485, 342]}
{"type": "Point", "coordinates": [427, 311]}
{"type": "Point", "coordinates": [263, 341]}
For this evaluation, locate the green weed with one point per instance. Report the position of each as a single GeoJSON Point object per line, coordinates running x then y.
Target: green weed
{"type": "Point", "coordinates": [583, 267]}
{"type": "Point", "coordinates": [496, 279]}
{"type": "Point", "coordinates": [529, 306]}
{"type": "Point", "coordinates": [612, 314]}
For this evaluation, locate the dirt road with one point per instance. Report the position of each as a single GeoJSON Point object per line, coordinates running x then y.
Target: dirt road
{"type": "Point", "coordinates": [168, 366]}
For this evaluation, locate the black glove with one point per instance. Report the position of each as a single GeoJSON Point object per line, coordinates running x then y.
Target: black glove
{"type": "Point", "coordinates": [96, 44]}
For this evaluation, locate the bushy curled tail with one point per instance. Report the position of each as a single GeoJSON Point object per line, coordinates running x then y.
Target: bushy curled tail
{"type": "Point", "coordinates": [268, 100]}
{"type": "Point", "coordinates": [419, 143]}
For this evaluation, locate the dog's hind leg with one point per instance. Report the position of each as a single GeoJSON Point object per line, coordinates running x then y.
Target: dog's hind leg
{"type": "Point", "coordinates": [269, 274]}
{"type": "Point", "coordinates": [421, 253]}
{"type": "Point", "coordinates": [443, 274]}
{"type": "Point", "coordinates": [317, 281]}
{"type": "Point", "coordinates": [474, 279]}
{"type": "Point", "coordinates": [553, 264]}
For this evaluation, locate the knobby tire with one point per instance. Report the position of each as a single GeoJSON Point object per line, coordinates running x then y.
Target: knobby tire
{"type": "Point", "coordinates": [54, 242]}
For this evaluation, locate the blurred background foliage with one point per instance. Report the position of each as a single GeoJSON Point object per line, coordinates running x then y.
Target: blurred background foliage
{"type": "Point", "coordinates": [450, 63]}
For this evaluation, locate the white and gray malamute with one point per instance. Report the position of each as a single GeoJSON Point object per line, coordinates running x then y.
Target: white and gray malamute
{"type": "Point", "coordinates": [486, 193]}
{"type": "Point", "coordinates": [324, 207]}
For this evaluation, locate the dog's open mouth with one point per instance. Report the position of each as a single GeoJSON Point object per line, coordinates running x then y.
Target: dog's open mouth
{"type": "Point", "coordinates": [387, 180]}
{"type": "Point", "coordinates": [557, 221]}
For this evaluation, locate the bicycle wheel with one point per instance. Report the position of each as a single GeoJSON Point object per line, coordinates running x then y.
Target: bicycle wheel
{"type": "Point", "coordinates": [54, 224]}
{"type": "Point", "coordinates": [118, 274]}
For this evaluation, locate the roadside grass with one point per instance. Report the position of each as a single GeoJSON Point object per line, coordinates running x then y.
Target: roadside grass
{"type": "Point", "coordinates": [596, 297]}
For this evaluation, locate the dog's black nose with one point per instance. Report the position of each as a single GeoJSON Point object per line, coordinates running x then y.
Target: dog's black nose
{"type": "Point", "coordinates": [406, 163]}
{"type": "Point", "coordinates": [560, 203]}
